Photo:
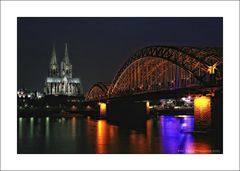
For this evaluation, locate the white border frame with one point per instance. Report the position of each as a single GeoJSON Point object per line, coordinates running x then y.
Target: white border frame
{"type": "Point", "coordinates": [9, 13]}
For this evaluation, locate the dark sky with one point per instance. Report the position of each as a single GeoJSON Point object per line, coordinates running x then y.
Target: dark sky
{"type": "Point", "coordinates": [99, 46]}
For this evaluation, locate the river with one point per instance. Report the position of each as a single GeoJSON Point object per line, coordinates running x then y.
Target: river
{"type": "Point", "coordinates": [82, 135]}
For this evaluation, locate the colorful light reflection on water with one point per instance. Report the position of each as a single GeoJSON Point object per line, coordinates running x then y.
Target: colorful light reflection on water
{"type": "Point", "coordinates": [178, 137]}
{"type": "Point", "coordinates": [164, 135]}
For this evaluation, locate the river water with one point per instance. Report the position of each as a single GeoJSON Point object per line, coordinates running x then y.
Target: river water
{"type": "Point", "coordinates": [82, 135]}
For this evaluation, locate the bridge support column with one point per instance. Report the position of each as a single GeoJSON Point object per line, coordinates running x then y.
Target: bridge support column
{"type": "Point", "coordinates": [208, 113]}
{"type": "Point", "coordinates": [147, 107]}
{"type": "Point", "coordinates": [127, 112]}
{"type": "Point", "coordinates": [217, 113]}
{"type": "Point", "coordinates": [202, 113]}
{"type": "Point", "coordinates": [97, 110]}
{"type": "Point", "coordinates": [103, 109]}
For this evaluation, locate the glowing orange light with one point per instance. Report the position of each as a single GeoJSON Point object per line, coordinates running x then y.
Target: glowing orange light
{"type": "Point", "coordinates": [202, 102]}
{"type": "Point", "coordinates": [101, 138]}
{"type": "Point", "coordinates": [202, 112]}
{"type": "Point", "coordinates": [147, 106]}
{"type": "Point", "coordinates": [103, 108]}
{"type": "Point", "coordinates": [198, 148]}
{"type": "Point", "coordinates": [211, 69]}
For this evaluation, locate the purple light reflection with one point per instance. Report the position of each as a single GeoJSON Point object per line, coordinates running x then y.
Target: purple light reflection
{"type": "Point", "coordinates": [175, 133]}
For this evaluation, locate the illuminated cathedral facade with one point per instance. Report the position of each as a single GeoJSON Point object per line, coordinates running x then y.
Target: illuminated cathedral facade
{"type": "Point", "coordinates": [62, 83]}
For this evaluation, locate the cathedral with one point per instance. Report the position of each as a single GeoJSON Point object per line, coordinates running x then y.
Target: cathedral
{"type": "Point", "coordinates": [62, 83]}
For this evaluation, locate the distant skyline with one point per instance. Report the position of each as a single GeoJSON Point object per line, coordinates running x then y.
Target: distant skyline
{"type": "Point", "coordinates": [98, 47]}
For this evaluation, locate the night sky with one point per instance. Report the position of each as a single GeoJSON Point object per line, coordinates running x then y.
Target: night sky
{"type": "Point", "coordinates": [99, 46]}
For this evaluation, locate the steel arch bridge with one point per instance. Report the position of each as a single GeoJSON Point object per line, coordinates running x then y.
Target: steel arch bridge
{"type": "Point", "coordinates": [98, 91]}
{"type": "Point", "coordinates": [157, 68]}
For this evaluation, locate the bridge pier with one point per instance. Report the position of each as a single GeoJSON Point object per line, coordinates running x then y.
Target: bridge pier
{"type": "Point", "coordinates": [217, 113]}
{"type": "Point", "coordinates": [102, 109]}
{"type": "Point", "coordinates": [208, 113]}
{"type": "Point", "coordinates": [202, 113]}
{"type": "Point", "coordinates": [127, 112]}
{"type": "Point", "coordinates": [96, 109]}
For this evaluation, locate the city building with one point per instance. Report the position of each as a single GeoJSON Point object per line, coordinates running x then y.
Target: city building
{"type": "Point", "coordinates": [62, 83]}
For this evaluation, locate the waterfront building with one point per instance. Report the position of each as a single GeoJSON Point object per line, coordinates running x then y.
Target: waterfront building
{"type": "Point", "coordinates": [62, 83]}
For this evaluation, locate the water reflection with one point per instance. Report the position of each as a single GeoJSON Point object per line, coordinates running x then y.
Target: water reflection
{"type": "Point", "coordinates": [47, 130]}
{"type": "Point", "coordinates": [101, 139]}
{"type": "Point", "coordinates": [175, 132]}
{"type": "Point", "coordinates": [138, 143]}
{"type": "Point", "coordinates": [73, 125]}
{"type": "Point", "coordinates": [31, 128]}
{"type": "Point", "coordinates": [149, 132]}
{"type": "Point", "coordinates": [198, 148]}
{"type": "Point", "coordinates": [20, 128]}
{"type": "Point", "coordinates": [167, 135]}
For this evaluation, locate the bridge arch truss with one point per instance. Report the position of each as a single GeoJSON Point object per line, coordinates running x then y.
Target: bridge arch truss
{"type": "Point", "coordinates": [98, 91]}
{"type": "Point", "coordinates": [162, 67]}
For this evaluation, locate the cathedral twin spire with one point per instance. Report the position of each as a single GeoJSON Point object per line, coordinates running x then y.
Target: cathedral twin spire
{"type": "Point", "coordinates": [66, 67]}
{"type": "Point", "coordinates": [66, 57]}
{"type": "Point", "coordinates": [54, 57]}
